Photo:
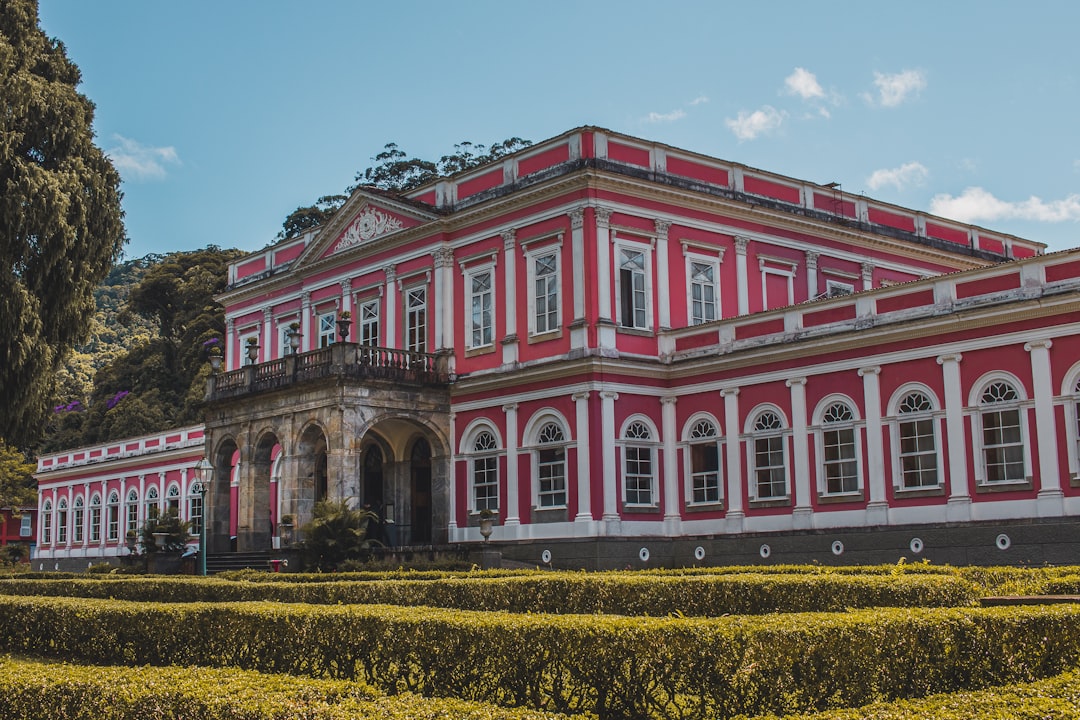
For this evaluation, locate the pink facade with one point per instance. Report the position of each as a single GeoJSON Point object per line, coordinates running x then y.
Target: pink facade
{"type": "Point", "coordinates": [639, 341]}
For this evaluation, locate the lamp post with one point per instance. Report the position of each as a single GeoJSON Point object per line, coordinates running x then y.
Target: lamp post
{"type": "Point", "coordinates": [206, 476]}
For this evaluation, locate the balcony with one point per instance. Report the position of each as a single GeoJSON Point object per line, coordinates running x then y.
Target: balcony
{"type": "Point", "coordinates": [340, 362]}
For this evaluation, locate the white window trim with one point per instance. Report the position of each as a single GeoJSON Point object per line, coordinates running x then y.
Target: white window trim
{"type": "Point", "coordinates": [360, 323]}
{"type": "Point", "coordinates": [531, 255]}
{"type": "Point", "coordinates": [819, 429]}
{"type": "Point", "coordinates": [320, 333]}
{"type": "Point", "coordinates": [1070, 398]}
{"type": "Point", "coordinates": [467, 312]}
{"type": "Point", "coordinates": [688, 463]}
{"type": "Point", "coordinates": [652, 445]}
{"type": "Point", "coordinates": [936, 415]}
{"type": "Point", "coordinates": [645, 247]}
{"type": "Point", "coordinates": [46, 529]}
{"type": "Point", "coordinates": [749, 438]}
{"type": "Point", "coordinates": [712, 260]}
{"type": "Point", "coordinates": [788, 274]}
{"type": "Point", "coordinates": [405, 327]}
{"type": "Point", "coordinates": [26, 525]}
{"type": "Point", "coordinates": [533, 447]}
{"type": "Point", "coordinates": [467, 453]}
{"type": "Point", "coordinates": [975, 412]}
{"type": "Point", "coordinates": [244, 360]}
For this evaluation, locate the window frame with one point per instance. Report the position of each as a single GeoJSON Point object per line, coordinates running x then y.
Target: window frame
{"type": "Point", "coordinates": [489, 457]}
{"type": "Point", "coordinates": [541, 449]}
{"type": "Point", "coordinates": [638, 450]}
{"type": "Point", "coordinates": [46, 522]}
{"type": "Point", "coordinates": [95, 518]}
{"type": "Point", "coordinates": [822, 430]}
{"type": "Point", "coordinates": [693, 439]}
{"type": "Point", "coordinates": [112, 514]}
{"type": "Point", "coordinates": [896, 418]}
{"type": "Point", "coordinates": [62, 521]}
{"type": "Point", "coordinates": [552, 296]}
{"type": "Point", "coordinates": [325, 328]}
{"type": "Point", "coordinates": [131, 512]}
{"type": "Point", "coordinates": [753, 436]}
{"type": "Point", "coordinates": [78, 520]}
{"type": "Point", "coordinates": [410, 333]}
{"type": "Point", "coordinates": [369, 325]}
{"type": "Point", "coordinates": [980, 410]}
{"type": "Point", "coordinates": [645, 249]}
{"type": "Point", "coordinates": [472, 296]}
{"type": "Point", "coordinates": [713, 263]}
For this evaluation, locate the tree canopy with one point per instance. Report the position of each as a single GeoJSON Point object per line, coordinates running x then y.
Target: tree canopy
{"type": "Point", "coordinates": [395, 171]}
{"type": "Point", "coordinates": [61, 225]}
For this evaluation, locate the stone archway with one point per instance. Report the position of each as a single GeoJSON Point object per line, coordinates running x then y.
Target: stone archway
{"type": "Point", "coordinates": [254, 526]}
{"type": "Point", "coordinates": [420, 487]}
{"type": "Point", "coordinates": [219, 511]}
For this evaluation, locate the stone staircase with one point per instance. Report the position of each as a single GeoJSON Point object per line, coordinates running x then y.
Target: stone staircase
{"type": "Point", "coordinates": [257, 560]}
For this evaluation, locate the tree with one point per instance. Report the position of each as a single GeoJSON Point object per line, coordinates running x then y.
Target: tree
{"type": "Point", "coordinates": [336, 533]}
{"type": "Point", "coordinates": [18, 489]}
{"type": "Point", "coordinates": [303, 219]}
{"type": "Point", "coordinates": [61, 225]}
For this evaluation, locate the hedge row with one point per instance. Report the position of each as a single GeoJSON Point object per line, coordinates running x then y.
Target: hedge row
{"type": "Point", "coordinates": [1058, 697]}
{"type": "Point", "coordinates": [621, 594]}
{"type": "Point", "coordinates": [612, 666]}
{"type": "Point", "coordinates": [33, 689]}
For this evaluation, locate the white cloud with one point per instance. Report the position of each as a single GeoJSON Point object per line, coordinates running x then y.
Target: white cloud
{"type": "Point", "coordinates": [912, 173]}
{"type": "Point", "coordinates": [136, 161]}
{"type": "Point", "coordinates": [976, 204]}
{"type": "Point", "coordinates": [655, 117]}
{"type": "Point", "coordinates": [699, 100]}
{"type": "Point", "coordinates": [803, 83]}
{"type": "Point", "coordinates": [748, 126]}
{"type": "Point", "coordinates": [893, 90]}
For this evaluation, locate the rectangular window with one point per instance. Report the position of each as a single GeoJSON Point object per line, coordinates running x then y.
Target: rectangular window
{"type": "Point", "coordinates": [114, 522]}
{"type": "Point", "coordinates": [702, 293]}
{"type": "Point", "coordinates": [1003, 446]}
{"type": "Point", "coordinates": [369, 323]}
{"type": "Point", "coordinates": [546, 293]}
{"type": "Point", "coordinates": [246, 344]}
{"type": "Point", "coordinates": [133, 518]}
{"type": "Point", "coordinates": [918, 455]}
{"type": "Point", "coordinates": [705, 472]}
{"type": "Point", "coordinates": [46, 526]}
{"type": "Point", "coordinates": [25, 526]}
{"type": "Point", "coordinates": [551, 469]}
{"type": "Point", "coordinates": [61, 526]}
{"type": "Point", "coordinates": [770, 473]}
{"type": "Point", "coordinates": [639, 475]}
{"type": "Point", "coordinates": [416, 319]}
{"type": "Point", "coordinates": [327, 329]}
{"type": "Point", "coordinates": [95, 523]}
{"type": "Point", "coordinates": [284, 343]}
{"type": "Point", "coordinates": [195, 514]}
{"type": "Point", "coordinates": [78, 518]}
{"type": "Point", "coordinates": [481, 301]}
{"type": "Point", "coordinates": [841, 467]}
{"type": "Point", "coordinates": [633, 296]}
{"type": "Point", "coordinates": [486, 483]}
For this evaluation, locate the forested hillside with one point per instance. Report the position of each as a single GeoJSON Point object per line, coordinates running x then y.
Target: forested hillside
{"type": "Point", "coordinates": [144, 368]}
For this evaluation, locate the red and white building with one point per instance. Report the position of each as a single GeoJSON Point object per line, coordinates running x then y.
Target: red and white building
{"type": "Point", "coordinates": [630, 351]}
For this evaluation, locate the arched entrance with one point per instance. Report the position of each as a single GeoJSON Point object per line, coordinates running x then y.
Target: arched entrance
{"type": "Point", "coordinates": [420, 477]}
{"type": "Point", "coordinates": [312, 481]}
{"type": "Point", "coordinates": [219, 511]}
{"type": "Point", "coordinates": [254, 526]}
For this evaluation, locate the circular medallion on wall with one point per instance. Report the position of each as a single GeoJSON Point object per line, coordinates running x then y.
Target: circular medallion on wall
{"type": "Point", "coordinates": [1003, 542]}
{"type": "Point", "coordinates": [765, 551]}
{"type": "Point", "coordinates": [699, 553]}
{"type": "Point", "coordinates": [545, 557]}
{"type": "Point", "coordinates": [643, 554]}
{"type": "Point", "coordinates": [916, 545]}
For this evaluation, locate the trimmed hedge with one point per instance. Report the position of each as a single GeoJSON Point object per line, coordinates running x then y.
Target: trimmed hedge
{"type": "Point", "coordinates": [609, 593]}
{"type": "Point", "coordinates": [59, 691]}
{"type": "Point", "coordinates": [613, 666]}
{"type": "Point", "coordinates": [1058, 697]}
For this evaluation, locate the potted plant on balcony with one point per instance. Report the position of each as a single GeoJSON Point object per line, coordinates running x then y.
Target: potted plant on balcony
{"type": "Point", "coordinates": [344, 321]}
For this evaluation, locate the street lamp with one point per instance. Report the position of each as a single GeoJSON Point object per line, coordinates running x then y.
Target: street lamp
{"type": "Point", "coordinates": [205, 472]}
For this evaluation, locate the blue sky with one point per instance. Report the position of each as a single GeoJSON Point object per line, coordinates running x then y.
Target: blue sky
{"type": "Point", "coordinates": [225, 116]}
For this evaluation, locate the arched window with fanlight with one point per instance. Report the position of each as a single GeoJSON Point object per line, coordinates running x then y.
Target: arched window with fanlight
{"type": "Point", "coordinates": [639, 465]}
{"type": "Point", "coordinates": [112, 512]}
{"type": "Point", "coordinates": [838, 449]}
{"type": "Point", "coordinates": [484, 471]}
{"type": "Point", "coordinates": [1002, 433]}
{"type": "Point", "coordinates": [703, 458]}
{"type": "Point", "coordinates": [132, 519]}
{"type": "Point", "coordinates": [172, 500]}
{"type": "Point", "coordinates": [62, 521]}
{"type": "Point", "coordinates": [917, 449]}
{"type": "Point", "coordinates": [767, 448]}
{"type": "Point", "coordinates": [95, 518]}
{"type": "Point", "coordinates": [46, 522]}
{"type": "Point", "coordinates": [550, 466]}
{"type": "Point", "coordinates": [78, 520]}
{"type": "Point", "coordinates": [152, 508]}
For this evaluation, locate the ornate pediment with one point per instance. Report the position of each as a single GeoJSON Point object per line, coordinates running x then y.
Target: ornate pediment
{"type": "Point", "coordinates": [368, 225]}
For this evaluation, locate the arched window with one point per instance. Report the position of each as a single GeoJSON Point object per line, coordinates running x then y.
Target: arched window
{"type": "Point", "coordinates": [78, 518]}
{"type": "Point", "coordinates": [551, 466]}
{"type": "Point", "coordinates": [195, 508]}
{"type": "Point", "coordinates": [484, 471]}
{"type": "Point", "coordinates": [1002, 433]}
{"type": "Point", "coordinates": [46, 522]}
{"type": "Point", "coordinates": [639, 465]}
{"type": "Point", "coordinates": [95, 519]}
{"type": "Point", "coordinates": [838, 454]}
{"type": "Point", "coordinates": [172, 501]}
{"type": "Point", "coordinates": [132, 511]}
{"type": "Point", "coordinates": [61, 521]}
{"type": "Point", "coordinates": [916, 439]}
{"type": "Point", "coordinates": [113, 512]}
{"type": "Point", "coordinates": [768, 458]}
{"type": "Point", "coordinates": [704, 452]}
{"type": "Point", "coordinates": [152, 507]}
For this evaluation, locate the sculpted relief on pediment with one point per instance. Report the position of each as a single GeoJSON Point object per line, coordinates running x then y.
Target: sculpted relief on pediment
{"type": "Point", "coordinates": [369, 224]}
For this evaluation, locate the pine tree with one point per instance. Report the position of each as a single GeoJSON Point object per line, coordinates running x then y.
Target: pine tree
{"type": "Point", "coordinates": [61, 225]}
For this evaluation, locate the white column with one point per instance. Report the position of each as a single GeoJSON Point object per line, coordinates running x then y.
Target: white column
{"type": "Point", "coordinates": [510, 342]}
{"type": "Point", "coordinates": [305, 322]}
{"type": "Point", "coordinates": [440, 329]}
{"type": "Point", "coordinates": [391, 340]}
{"type": "Point", "coordinates": [451, 480]}
{"type": "Point", "coordinates": [1051, 499]}
{"type": "Point", "coordinates": [662, 273]}
{"type": "Point", "coordinates": [735, 513]}
{"type": "Point", "coordinates": [811, 274]}
{"type": "Point", "coordinates": [606, 322]}
{"type": "Point", "coordinates": [140, 509]}
{"type": "Point", "coordinates": [447, 301]}
{"type": "Point", "coordinates": [802, 514]}
{"type": "Point", "coordinates": [230, 340]}
{"type": "Point", "coordinates": [877, 510]}
{"type": "Point", "coordinates": [579, 330]}
{"type": "Point", "coordinates": [268, 334]}
{"type": "Point", "coordinates": [867, 275]}
{"type": "Point", "coordinates": [742, 280]}
{"type": "Point", "coordinates": [104, 513]}
{"type": "Point", "coordinates": [581, 432]}
{"type": "Point", "coordinates": [512, 517]}
{"type": "Point", "coordinates": [607, 444]}
{"type": "Point", "coordinates": [668, 429]}
{"type": "Point", "coordinates": [959, 498]}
